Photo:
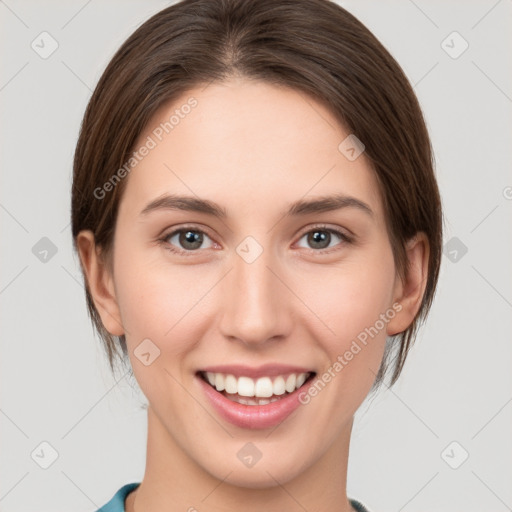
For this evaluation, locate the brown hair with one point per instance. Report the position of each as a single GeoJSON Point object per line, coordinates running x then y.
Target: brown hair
{"type": "Point", "coordinates": [313, 46]}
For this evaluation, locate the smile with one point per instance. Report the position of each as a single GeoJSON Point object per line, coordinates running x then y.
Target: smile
{"type": "Point", "coordinates": [262, 391]}
{"type": "Point", "coordinates": [254, 402]}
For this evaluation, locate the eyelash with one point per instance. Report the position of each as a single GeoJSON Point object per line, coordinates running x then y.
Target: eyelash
{"type": "Point", "coordinates": [164, 239]}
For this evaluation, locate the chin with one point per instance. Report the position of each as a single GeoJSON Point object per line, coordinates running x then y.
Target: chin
{"type": "Point", "coordinates": [263, 477]}
{"type": "Point", "coordinates": [267, 472]}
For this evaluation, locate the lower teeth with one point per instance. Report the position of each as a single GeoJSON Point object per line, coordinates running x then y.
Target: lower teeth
{"type": "Point", "coordinates": [249, 400]}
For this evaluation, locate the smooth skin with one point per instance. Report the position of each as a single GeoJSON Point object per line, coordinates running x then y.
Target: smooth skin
{"type": "Point", "coordinates": [252, 148]}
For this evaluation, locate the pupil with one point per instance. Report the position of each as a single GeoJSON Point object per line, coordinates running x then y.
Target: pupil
{"type": "Point", "coordinates": [319, 238]}
{"type": "Point", "coordinates": [191, 240]}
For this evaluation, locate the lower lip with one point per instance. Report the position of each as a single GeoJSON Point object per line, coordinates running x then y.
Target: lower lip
{"type": "Point", "coordinates": [253, 416]}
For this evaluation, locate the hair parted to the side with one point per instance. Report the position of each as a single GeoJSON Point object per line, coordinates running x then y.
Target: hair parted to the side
{"type": "Point", "coordinates": [313, 46]}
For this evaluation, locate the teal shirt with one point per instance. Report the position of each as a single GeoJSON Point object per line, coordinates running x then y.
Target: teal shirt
{"type": "Point", "coordinates": [116, 504]}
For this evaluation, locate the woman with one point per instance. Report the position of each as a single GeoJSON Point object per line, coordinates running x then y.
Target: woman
{"type": "Point", "coordinates": [259, 224]}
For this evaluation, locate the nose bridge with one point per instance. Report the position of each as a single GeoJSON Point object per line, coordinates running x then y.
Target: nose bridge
{"type": "Point", "coordinates": [254, 309]}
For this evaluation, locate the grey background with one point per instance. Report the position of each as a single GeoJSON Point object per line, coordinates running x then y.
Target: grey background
{"type": "Point", "coordinates": [55, 383]}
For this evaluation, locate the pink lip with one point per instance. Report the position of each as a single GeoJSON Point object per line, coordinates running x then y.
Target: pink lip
{"type": "Point", "coordinates": [266, 370]}
{"type": "Point", "coordinates": [253, 416]}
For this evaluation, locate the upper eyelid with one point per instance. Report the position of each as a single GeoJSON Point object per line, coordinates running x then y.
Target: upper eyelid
{"type": "Point", "coordinates": [166, 233]}
{"type": "Point", "coordinates": [325, 227]}
{"type": "Point", "coordinates": [201, 229]}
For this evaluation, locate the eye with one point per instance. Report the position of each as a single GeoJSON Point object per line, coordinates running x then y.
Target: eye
{"type": "Point", "coordinates": [321, 238]}
{"type": "Point", "coordinates": [187, 240]}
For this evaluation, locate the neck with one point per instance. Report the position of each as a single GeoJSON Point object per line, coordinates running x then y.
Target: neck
{"type": "Point", "coordinates": [174, 481]}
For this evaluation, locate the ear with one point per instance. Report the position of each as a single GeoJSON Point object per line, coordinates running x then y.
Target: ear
{"type": "Point", "coordinates": [100, 282]}
{"type": "Point", "coordinates": [409, 291]}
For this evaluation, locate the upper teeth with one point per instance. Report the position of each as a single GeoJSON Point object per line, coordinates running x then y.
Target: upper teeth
{"type": "Point", "coordinates": [262, 387]}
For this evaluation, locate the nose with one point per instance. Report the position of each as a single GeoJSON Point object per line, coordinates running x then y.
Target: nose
{"type": "Point", "coordinates": [255, 303]}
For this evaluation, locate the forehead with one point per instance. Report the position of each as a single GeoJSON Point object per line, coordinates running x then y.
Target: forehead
{"type": "Point", "coordinates": [250, 146]}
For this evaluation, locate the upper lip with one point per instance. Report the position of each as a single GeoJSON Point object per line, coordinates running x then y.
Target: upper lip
{"type": "Point", "coordinates": [266, 370]}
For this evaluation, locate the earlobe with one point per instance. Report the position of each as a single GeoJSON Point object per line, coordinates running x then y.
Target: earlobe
{"type": "Point", "coordinates": [100, 283]}
{"type": "Point", "coordinates": [409, 291]}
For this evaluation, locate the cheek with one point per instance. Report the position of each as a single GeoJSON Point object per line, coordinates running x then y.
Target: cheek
{"type": "Point", "coordinates": [161, 303]}
{"type": "Point", "coordinates": [350, 300]}
{"type": "Point", "coordinates": [352, 296]}
{"type": "Point", "coordinates": [352, 303]}
{"type": "Point", "coordinates": [157, 300]}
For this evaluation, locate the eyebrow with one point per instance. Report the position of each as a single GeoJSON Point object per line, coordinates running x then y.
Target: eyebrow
{"type": "Point", "coordinates": [297, 208]}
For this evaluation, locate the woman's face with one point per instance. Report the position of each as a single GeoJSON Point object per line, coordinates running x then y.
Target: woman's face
{"type": "Point", "coordinates": [264, 290]}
